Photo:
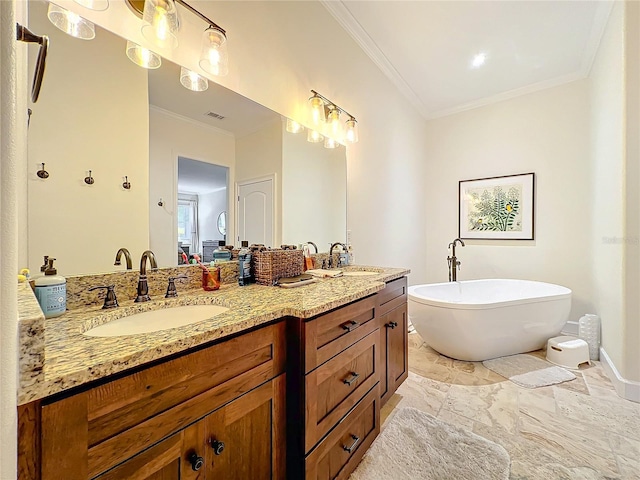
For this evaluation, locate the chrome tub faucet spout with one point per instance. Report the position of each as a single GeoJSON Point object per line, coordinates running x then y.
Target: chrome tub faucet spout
{"type": "Point", "coordinates": [452, 260]}
{"type": "Point", "coordinates": [143, 288]}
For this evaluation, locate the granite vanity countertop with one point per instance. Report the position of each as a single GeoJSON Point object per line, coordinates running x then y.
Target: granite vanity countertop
{"type": "Point", "coordinates": [56, 356]}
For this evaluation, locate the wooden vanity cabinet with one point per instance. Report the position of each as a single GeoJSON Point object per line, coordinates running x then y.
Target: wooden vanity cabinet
{"type": "Point", "coordinates": [157, 422]}
{"type": "Point", "coordinates": [394, 325]}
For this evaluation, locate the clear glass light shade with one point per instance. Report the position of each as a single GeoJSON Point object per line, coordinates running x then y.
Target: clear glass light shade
{"type": "Point", "coordinates": [314, 137]}
{"type": "Point", "coordinates": [71, 23]}
{"type": "Point", "coordinates": [334, 121]}
{"type": "Point", "coordinates": [98, 5]}
{"type": "Point", "coordinates": [351, 131]}
{"type": "Point", "coordinates": [293, 126]}
{"type": "Point", "coordinates": [317, 110]}
{"type": "Point", "coordinates": [330, 143]}
{"type": "Point", "coordinates": [161, 23]}
{"type": "Point", "coordinates": [214, 58]}
{"type": "Point", "coordinates": [191, 80]}
{"type": "Point", "coordinates": [143, 56]}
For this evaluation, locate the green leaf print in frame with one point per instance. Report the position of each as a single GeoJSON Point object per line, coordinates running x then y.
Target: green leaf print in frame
{"type": "Point", "coordinates": [497, 208]}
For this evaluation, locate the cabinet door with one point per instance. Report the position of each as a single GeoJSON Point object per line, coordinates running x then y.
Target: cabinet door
{"type": "Point", "coordinates": [395, 351]}
{"type": "Point", "coordinates": [163, 461]}
{"type": "Point", "coordinates": [245, 439]}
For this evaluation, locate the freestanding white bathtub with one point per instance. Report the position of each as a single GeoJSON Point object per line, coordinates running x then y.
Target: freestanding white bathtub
{"type": "Point", "coordinates": [477, 320]}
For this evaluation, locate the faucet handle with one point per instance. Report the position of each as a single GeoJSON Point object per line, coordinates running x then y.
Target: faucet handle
{"type": "Point", "coordinates": [171, 288]}
{"type": "Point", "coordinates": [110, 300]}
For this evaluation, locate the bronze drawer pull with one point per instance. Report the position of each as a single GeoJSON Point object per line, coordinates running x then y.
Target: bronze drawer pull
{"type": "Point", "coordinates": [218, 446]}
{"type": "Point", "coordinates": [354, 376]}
{"type": "Point", "coordinates": [196, 461]}
{"type": "Point", "coordinates": [350, 325]}
{"type": "Point", "coordinates": [351, 447]}
{"type": "Point", "coordinates": [391, 325]}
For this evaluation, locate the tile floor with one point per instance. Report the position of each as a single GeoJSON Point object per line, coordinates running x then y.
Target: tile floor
{"type": "Point", "coordinates": [575, 430]}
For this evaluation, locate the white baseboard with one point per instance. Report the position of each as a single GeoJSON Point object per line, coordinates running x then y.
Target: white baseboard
{"type": "Point", "coordinates": [627, 389]}
{"type": "Point", "coordinates": [570, 328]}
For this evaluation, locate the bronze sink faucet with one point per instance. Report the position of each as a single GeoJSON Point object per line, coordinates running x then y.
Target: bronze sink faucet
{"type": "Point", "coordinates": [127, 257]}
{"type": "Point", "coordinates": [143, 287]}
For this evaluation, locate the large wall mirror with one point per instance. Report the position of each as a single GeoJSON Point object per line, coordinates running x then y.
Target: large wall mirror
{"type": "Point", "coordinates": [99, 112]}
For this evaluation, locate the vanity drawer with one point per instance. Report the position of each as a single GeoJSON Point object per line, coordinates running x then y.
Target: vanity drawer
{"type": "Point", "coordinates": [336, 386]}
{"type": "Point", "coordinates": [329, 334]}
{"type": "Point", "coordinates": [339, 453]}
{"type": "Point", "coordinates": [392, 296]}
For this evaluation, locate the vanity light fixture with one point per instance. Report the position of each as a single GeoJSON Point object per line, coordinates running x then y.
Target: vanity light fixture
{"type": "Point", "coordinates": [323, 109]}
{"type": "Point", "coordinates": [191, 80]}
{"type": "Point", "coordinates": [143, 56]}
{"type": "Point", "coordinates": [97, 5]}
{"type": "Point", "coordinates": [293, 126]}
{"type": "Point", "coordinates": [71, 23]}
{"type": "Point", "coordinates": [161, 23]}
{"type": "Point", "coordinates": [314, 137]}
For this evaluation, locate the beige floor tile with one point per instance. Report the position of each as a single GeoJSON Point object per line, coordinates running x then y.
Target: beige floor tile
{"type": "Point", "coordinates": [494, 405]}
{"type": "Point", "coordinates": [627, 447]}
{"type": "Point", "coordinates": [579, 430]}
{"type": "Point", "coordinates": [583, 444]}
{"type": "Point", "coordinates": [455, 419]}
{"type": "Point", "coordinates": [615, 415]}
{"type": "Point", "coordinates": [629, 468]}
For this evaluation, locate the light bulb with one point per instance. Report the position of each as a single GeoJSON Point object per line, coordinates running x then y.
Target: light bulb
{"type": "Point", "coordinates": [317, 110]}
{"type": "Point", "coordinates": [191, 80]}
{"type": "Point", "coordinates": [71, 23]}
{"type": "Point", "coordinates": [97, 5]}
{"type": "Point", "coordinates": [314, 137]}
{"type": "Point", "coordinates": [351, 131]}
{"type": "Point", "coordinates": [213, 56]}
{"type": "Point", "coordinates": [143, 56]}
{"type": "Point", "coordinates": [330, 143]}
{"type": "Point", "coordinates": [334, 121]}
{"type": "Point", "coordinates": [161, 23]}
{"type": "Point", "coordinates": [293, 126]}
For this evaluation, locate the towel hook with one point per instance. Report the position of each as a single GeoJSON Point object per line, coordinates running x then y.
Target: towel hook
{"type": "Point", "coordinates": [89, 180]}
{"type": "Point", "coordinates": [42, 173]}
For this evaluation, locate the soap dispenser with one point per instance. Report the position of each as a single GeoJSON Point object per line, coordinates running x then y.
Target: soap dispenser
{"type": "Point", "coordinates": [51, 291]}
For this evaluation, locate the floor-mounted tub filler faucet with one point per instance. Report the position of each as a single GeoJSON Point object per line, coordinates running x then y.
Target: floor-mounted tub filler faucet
{"type": "Point", "coordinates": [453, 262]}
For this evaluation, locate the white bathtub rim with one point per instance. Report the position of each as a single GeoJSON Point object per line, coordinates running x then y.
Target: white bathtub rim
{"type": "Point", "coordinates": [566, 293]}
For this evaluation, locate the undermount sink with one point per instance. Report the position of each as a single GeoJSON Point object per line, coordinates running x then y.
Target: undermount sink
{"type": "Point", "coordinates": [156, 320]}
{"type": "Point", "coordinates": [358, 273]}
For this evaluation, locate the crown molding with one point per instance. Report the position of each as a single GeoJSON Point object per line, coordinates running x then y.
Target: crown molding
{"type": "Point", "coordinates": [348, 22]}
{"type": "Point", "coordinates": [344, 17]}
{"type": "Point", "coordinates": [517, 92]}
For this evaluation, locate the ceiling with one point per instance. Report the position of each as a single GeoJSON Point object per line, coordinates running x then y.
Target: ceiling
{"type": "Point", "coordinates": [241, 115]}
{"type": "Point", "coordinates": [426, 48]}
{"type": "Point", "coordinates": [200, 178]}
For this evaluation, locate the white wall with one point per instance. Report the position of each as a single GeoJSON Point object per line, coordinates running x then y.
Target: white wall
{"type": "Point", "coordinates": [210, 206]}
{"type": "Point", "coordinates": [170, 137]}
{"type": "Point", "coordinates": [607, 189]}
{"type": "Point", "coordinates": [84, 225]}
{"type": "Point", "coordinates": [314, 192]}
{"type": "Point", "coordinates": [13, 105]}
{"type": "Point", "coordinates": [545, 132]}
{"type": "Point", "coordinates": [259, 154]}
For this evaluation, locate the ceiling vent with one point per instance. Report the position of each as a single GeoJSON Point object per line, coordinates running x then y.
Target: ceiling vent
{"type": "Point", "coordinates": [215, 115]}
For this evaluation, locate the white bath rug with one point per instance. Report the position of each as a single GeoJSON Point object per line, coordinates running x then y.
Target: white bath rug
{"type": "Point", "coordinates": [528, 371]}
{"type": "Point", "coordinates": [417, 446]}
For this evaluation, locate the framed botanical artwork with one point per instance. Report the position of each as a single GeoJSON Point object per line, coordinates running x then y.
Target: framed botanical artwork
{"type": "Point", "coordinates": [499, 208]}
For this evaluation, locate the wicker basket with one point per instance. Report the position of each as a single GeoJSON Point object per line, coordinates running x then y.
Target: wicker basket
{"type": "Point", "coordinates": [271, 265]}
